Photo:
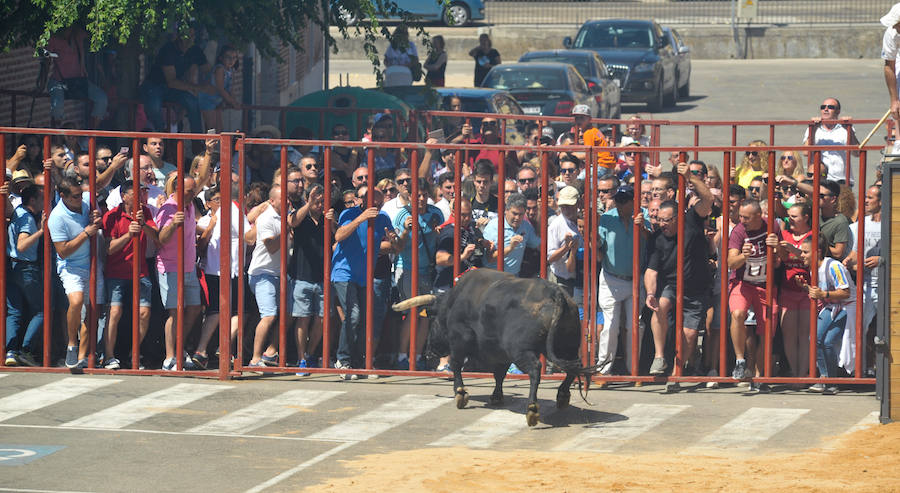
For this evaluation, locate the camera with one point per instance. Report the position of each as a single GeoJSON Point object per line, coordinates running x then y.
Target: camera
{"type": "Point", "coordinates": [473, 236]}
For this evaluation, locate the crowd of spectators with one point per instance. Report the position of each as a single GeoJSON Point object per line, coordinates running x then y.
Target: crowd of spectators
{"type": "Point", "coordinates": [108, 233]}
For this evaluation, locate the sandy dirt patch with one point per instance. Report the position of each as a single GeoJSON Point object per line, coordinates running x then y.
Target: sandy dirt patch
{"type": "Point", "coordinates": [863, 461]}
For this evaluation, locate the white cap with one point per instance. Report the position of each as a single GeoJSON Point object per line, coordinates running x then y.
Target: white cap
{"type": "Point", "coordinates": [581, 109]}
{"type": "Point", "coordinates": [892, 17]}
{"type": "Point", "coordinates": [567, 196]}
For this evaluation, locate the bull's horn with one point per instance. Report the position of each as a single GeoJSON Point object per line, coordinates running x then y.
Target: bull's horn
{"type": "Point", "coordinates": [425, 299]}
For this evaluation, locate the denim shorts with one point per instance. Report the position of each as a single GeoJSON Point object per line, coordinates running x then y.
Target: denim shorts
{"type": "Point", "coordinates": [168, 289]}
{"type": "Point", "coordinates": [265, 288]}
{"type": "Point", "coordinates": [309, 299]}
{"type": "Point", "coordinates": [118, 289]}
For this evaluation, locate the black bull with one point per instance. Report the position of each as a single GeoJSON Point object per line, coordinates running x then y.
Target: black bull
{"type": "Point", "coordinates": [498, 319]}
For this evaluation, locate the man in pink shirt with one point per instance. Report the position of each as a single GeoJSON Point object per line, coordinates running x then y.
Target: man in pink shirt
{"type": "Point", "coordinates": [170, 221]}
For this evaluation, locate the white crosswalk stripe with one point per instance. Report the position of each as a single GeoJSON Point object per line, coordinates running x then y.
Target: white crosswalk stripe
{"type": "Point", "coordinates": [266, 412]}
{"type": "Point", "coordinates": [868, 420]}
{"type": "Point", "coordinates": [607, 437]}
{"type": "Point", "coordinates": [751, 428]}
{"type": "Point", "coordinates": [377, 421]}
{"type": "Point", "coordinates": [486, 431]}
{"type": "Point", "coordinates": [47, 395]}
{"type": "Point", "coordinates": [141, 408]}
{"type": "Point", "coordinates": [4, 375]}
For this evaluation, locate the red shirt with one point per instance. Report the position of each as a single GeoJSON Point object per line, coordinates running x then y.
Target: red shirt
{"type": "Point", "coordinates": [115, 225]}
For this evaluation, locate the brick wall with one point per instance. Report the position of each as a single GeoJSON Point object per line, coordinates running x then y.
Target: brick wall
{"type": "Point", "coordinates": [19, 72]}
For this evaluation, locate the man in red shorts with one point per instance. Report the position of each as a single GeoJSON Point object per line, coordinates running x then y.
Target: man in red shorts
{"type": "Point", "coordinates": [747, 261]}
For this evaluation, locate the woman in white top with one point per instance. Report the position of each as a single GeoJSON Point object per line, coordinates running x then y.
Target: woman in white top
{"type": "Point", "coordinates": [401, 54]}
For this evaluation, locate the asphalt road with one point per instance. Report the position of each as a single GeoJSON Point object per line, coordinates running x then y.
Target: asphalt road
{"type": "Point", "coordinates": [147, 434]}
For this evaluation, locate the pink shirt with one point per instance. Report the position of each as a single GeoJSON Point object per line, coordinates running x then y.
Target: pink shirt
{"type": "Point", "coordinates": [167, 258]}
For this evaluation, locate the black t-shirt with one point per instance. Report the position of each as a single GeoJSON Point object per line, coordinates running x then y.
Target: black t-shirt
{"type": "Point", "coordinates": [482, 58]}
{"type": "Point", "coordinates": [481, 209]}
{"type": "Point", "coordinates": [444, 275]}
{"type": "Point", "coordinates": [170, 55]}
{"type": "Point", "coordinates": [308, 257]}
{"type": "Point", "coordinates": [663, 257]}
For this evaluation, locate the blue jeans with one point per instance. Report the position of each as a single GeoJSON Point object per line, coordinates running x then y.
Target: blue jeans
{"type": "Point", "coordinates": [351, 344]}
{"type": "Point", "coordinates": [24, 304]}
{"type": "Point", "coordinates": [828, 341]}
{"type": "Point", "coordinates": [57, 90]}
{"type": "Point", "coordinates": [155, 95]}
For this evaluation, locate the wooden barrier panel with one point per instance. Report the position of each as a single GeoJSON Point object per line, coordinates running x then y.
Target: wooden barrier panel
{"type": "Point", "coordinates": [894, 295]}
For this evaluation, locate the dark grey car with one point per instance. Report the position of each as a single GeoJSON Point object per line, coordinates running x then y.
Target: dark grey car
{"type": "Point", "coordinates": [589, 64]}
{"type": "Point", "coordinates": [682, 61]}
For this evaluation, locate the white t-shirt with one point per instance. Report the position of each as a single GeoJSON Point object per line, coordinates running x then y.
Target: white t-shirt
{"type": "Point", "coordinates": [556, 233]}
{"type": "Point", "coordinates": [392, 207]}
{"type": "Point", "coordinates": [832, 160]}
{"type": "Point", "coordinates": [445, 206]}
{"type": "Point", "coordinates": [153, 192]}
{"type": "Point", "coordinates": [268, 225]}
{"type": "Point", "coordinates": [211, 263]}
{"type": "Point", "coordinates": [890, 46]}
{"type": "Point", "coordinates": [872, 236]}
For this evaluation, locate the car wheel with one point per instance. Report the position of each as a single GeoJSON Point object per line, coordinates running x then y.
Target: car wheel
{"type": "Point", "coordinates": [672, 98]}
{"type": "Point", "coordinates": [457, 14]}
{"type": "Point", "coordinates": [656, 103]}
{"type": "Point", "coordinates": [686, 90]}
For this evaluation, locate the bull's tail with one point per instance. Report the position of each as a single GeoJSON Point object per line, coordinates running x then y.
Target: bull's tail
{"type": "Point", "coordinates": [425, 299]}
{"type": "Point", "coordinates": [566, 314]}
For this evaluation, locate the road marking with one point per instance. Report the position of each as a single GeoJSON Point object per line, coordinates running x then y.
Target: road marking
{"type": "Point", "coordinates": [4, 375]}
{"type": "Point", "coordinates": [162, 432]}
{"type": "Point", "coordinates": [22, 490]}
{"type": "Point", "coordinates": [870, 419]}
{"type": "Point", "coordinates": [484, 432]}
{"type": "Point", "coordinates": [609, 436]}
{"type": "Point", "coordinates": [17, 455]}
{"type": "Point", "coordinates": [365, 426]}
{"type": "Point", "coordinates": [149, 405]}
{"type": "Point", "coordinates": [47, 395]}
{"type": "Point", "coordinates": [750, 429]}
{"type": "Point", "coordinates": [299, 467]}
{"type": "Point", "coordinates": [266, 412]}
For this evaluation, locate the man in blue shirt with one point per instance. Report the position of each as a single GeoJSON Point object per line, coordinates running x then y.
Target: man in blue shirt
{"type": "Point", "coordinates": [517, 234]}
{"type": "Point", "coordinates": [348, 275]}
{"type": "Point", "coordinates": [24, 294]}
{"type": "Point", "coordinates": [72, 224]}
{"type": "Point", "coordinates": [615, 236]}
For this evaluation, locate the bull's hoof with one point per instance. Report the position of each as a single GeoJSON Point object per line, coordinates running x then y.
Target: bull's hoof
{"type": "Point", "coordinates": [562, 400]}
{"type": "Point", "coordinates": [532, 416]}
{"type": "Point", "coordinates": [496, 400]}
{"type": "Point", "coordinates": [462, 398]}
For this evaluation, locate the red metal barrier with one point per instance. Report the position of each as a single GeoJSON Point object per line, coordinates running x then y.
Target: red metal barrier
{"type": "Point", "coordinates": [590, 241]}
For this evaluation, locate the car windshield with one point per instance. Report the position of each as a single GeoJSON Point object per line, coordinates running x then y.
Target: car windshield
{"type": "Point", "coordinates": [609, 36]}
{"type": "Point", "coordinates": [525, 78]}
{"type": "Point", "coordinates": [581, 63]}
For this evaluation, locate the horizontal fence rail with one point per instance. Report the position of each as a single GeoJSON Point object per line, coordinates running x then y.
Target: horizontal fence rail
{"type": "Point", "coordinates": [233, 150]}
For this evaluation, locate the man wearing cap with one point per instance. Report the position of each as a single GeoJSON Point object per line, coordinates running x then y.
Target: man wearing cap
{"type": "Point", "coordinates": [585, 134]}
{"type": "Point", "coordinates": [890, 50]}
{"type": "Point", "coordinates": [661, 273]}
{"type": "Point", "coordinates": [121, 225]}
{"type": "Point", "coordinates": [563, 239]}
{"type": "Point", "coordinates": [615, 237]}
{"type": "Point", "coordinates": [21, 178]}
{"type": "Point", "coordinates": [24, 293]}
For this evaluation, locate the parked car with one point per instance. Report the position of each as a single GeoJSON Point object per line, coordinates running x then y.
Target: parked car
{"type": "Point", "coordinates": [683, 63]}
{"type": "Point", "coordinates": [453, 13]}
{"type": "Point", "coordinates": [589, 64]}
{"type": "Point", "coordinates": [548, 89]}
{"type": "Point", "coordinates": [638, 53]}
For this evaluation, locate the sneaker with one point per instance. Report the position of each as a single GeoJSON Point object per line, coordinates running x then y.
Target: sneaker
{"type": "Point", "coordinates": [817, 387]}
{"type": "Point", "coordinates": [514, 370]}
{"type": "Point", "coordinates": [712, 385]}
{"type": "Point", "coordinates": [659, 366]}
{"type": "Point", "coordinates": [71, 357]}
{"type": "Point", "coordinates": [302, 364]}
{"type": "Point", "coordinates": [258, 364]}
{"type": "Point", "coordinates": [831, 390]}
{"type": "Point", "coordinates": [81, 364]}
{"type": "Point", "coordinates": [340, 365]}
{"type": "Point", "coordinates": [758, 388]}
{"type": "Point", "coordinates": [168, 364]}
{"type": "Point", "coordinates": [402, 364]}
{"type": "Point", "coordinates": [11, 359]}
{"type": "Point", "coordinates": [26, 359]}
{"type": "Point", "coordinates": [200, 361]}
{"type": "Point", "coordinates": [270, 360]}
{"type": "Point", "coordinates": [112, 364]}
{"type": "Point", "coordinates": [740, 370]}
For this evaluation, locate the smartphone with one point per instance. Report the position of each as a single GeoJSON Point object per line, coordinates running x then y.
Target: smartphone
{"type": "Point", "coordinates": [124, 150]}
{"type": "Point", "coordinates": [438, 135]}
{"type": "Point", "coordinates": [211, 131]}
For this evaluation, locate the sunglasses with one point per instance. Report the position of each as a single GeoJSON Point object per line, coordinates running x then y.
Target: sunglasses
{"type": "Point", "coordinates": [788, 158]}
{"type": "Point", "coordinates": [349, 203]}
{"type": "Point", "coordinates": [105, 158]}
{"type": "Point", "coordinates": [810, 175]}
{"type": "Point", "coordinates": [567, 171]}
{"type": "Point", "coordinates": [825, 195]}
{"type": "Point", "coordinates": [403, 181]}
{"type": "Point", "coordinates": [751, 153]}
{"type": "Point", "coordinates": [605, 190]}
{"type": "Point", "coordinates": [311, 166]}
{"type": "Point", "coordinates": [754, 189]}
{"type": "Point", "coordinates": [828, 106]}
{"type": "Point", "coordinates": [362, 178]}
{"type": "Point", "coordinates": [489, 124]}
{"type": "Point", "coordinates": [526, 180]}
{"type": "Point", "coordinates": [390, 190]}
{"type": "Point", "coordinates": [632, 153]}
